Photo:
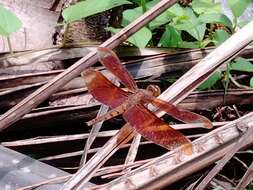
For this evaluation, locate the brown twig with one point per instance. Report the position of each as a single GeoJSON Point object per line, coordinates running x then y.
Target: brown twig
{"type": "Point", "coordinates": [55, 139]}
{"type": "Point", "coordinates": [65, 138]}
{"type": "Point", "coordinates": [111, 169]}
{"type": "Point", "coordinates": [133, 150]}
{"type": "Point", "coordinates": [94, 150]}
{"type": "Point", "coordinates": [79, 153]}
{"type": "Point", "coordinates": [54, 180]}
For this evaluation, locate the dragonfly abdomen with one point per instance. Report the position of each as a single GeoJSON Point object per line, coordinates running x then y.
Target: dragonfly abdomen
{"type": "Point", "coordinates": [110, 114]}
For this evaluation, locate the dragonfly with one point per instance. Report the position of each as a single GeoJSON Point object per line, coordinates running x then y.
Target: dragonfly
{"type": "Point", "coordinates": [132, 104]}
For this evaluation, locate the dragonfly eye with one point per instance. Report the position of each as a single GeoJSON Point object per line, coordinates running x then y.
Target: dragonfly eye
{"type": "Point", "coordinates": [154, 89]}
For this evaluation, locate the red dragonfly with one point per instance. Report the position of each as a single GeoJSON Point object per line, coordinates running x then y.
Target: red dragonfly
{"type": "Point", "coordinates": [132, 104]}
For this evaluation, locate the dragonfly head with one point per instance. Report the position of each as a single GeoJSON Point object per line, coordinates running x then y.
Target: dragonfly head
{"type": "Point", "coordinates": [156, 91]}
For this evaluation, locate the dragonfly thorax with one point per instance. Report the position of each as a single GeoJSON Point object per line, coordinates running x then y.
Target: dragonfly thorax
{"type": "Point", "coordinates": [139, 96]}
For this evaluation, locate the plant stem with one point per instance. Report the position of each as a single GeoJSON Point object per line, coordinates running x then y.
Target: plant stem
{"type": "Point", "coordinates": [234, 24]}
{"type": "Point", "coordinates": [238, 84]}
{"type": "Point", "coordinates": [65, 34]}
{"type": "Point", "coordinates": [143, 5]}
{"type": "Point", "coordinates": [9, 44]}
{"type": "Point", "coordinates": [227, 77]}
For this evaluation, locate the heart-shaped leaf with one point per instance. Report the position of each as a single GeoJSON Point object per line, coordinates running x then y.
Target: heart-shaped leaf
{"type": "Point", "coordinates": [238, 6]}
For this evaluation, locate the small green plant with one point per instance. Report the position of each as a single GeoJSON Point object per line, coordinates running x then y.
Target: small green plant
{"type": "Point", "coordinates": [9, 23]}
{"type": "Point", "coordinates": [219, 36]}
{"type": "Point", "coordinates": [237, 65]}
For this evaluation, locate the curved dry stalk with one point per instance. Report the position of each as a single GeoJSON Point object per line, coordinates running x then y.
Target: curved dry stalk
{"type": "Point", "coordinates": [93, 134]}
{"type": "Point", "coordinates": [95, 128]}
{"type": "Point", "coordinates": [238, 84]}
{"type": "Point", "coordinates": [132, 152]}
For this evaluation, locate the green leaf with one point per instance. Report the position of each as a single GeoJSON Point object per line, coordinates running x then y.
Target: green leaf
{"type": "Point", "coordinates": [190, 23]}
{"type": "Point", "coordinates": [241, 64]}
{"type": "Point", "coordinates": [196, 30]}
{"type": "Point", "coordinates": [159, 21]}
{"type": "Point", "coordinates": [238, 6]}
{"type": "Point", "coordinates": [251, 82]}
{"type": "Point", "coordinates": [130, 15]}
{"type": "Point", "coordinates": [220, 36]}
{"type": "Point", "coordinates": [9, 22]}
{"type": "Point", "coordinates": [210, 81]}
{"type": "Point", "coordinates": [171, 37]}
{"type": "Point", "coordinates": [139, 39]}
{"type": "Point", "coordinates": [216, 18]}
{"type": "Point", "coordinates": [89, 7]}
{"type": "Point", "coordinates": [206, 6]}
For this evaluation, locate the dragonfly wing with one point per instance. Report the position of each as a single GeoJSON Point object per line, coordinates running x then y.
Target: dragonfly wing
{"type": "Point", "coordinates": [153, 128]}
{"type": "Point", "coordinates": [180, 114]}
{"type": "Point", "coordinates": [111, 61]}
{"type": "Point", "coordinates": [104, 90]}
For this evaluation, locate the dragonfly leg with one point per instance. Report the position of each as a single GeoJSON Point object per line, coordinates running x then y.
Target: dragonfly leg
{"type": "Point", "coordinates": [110, 114]}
